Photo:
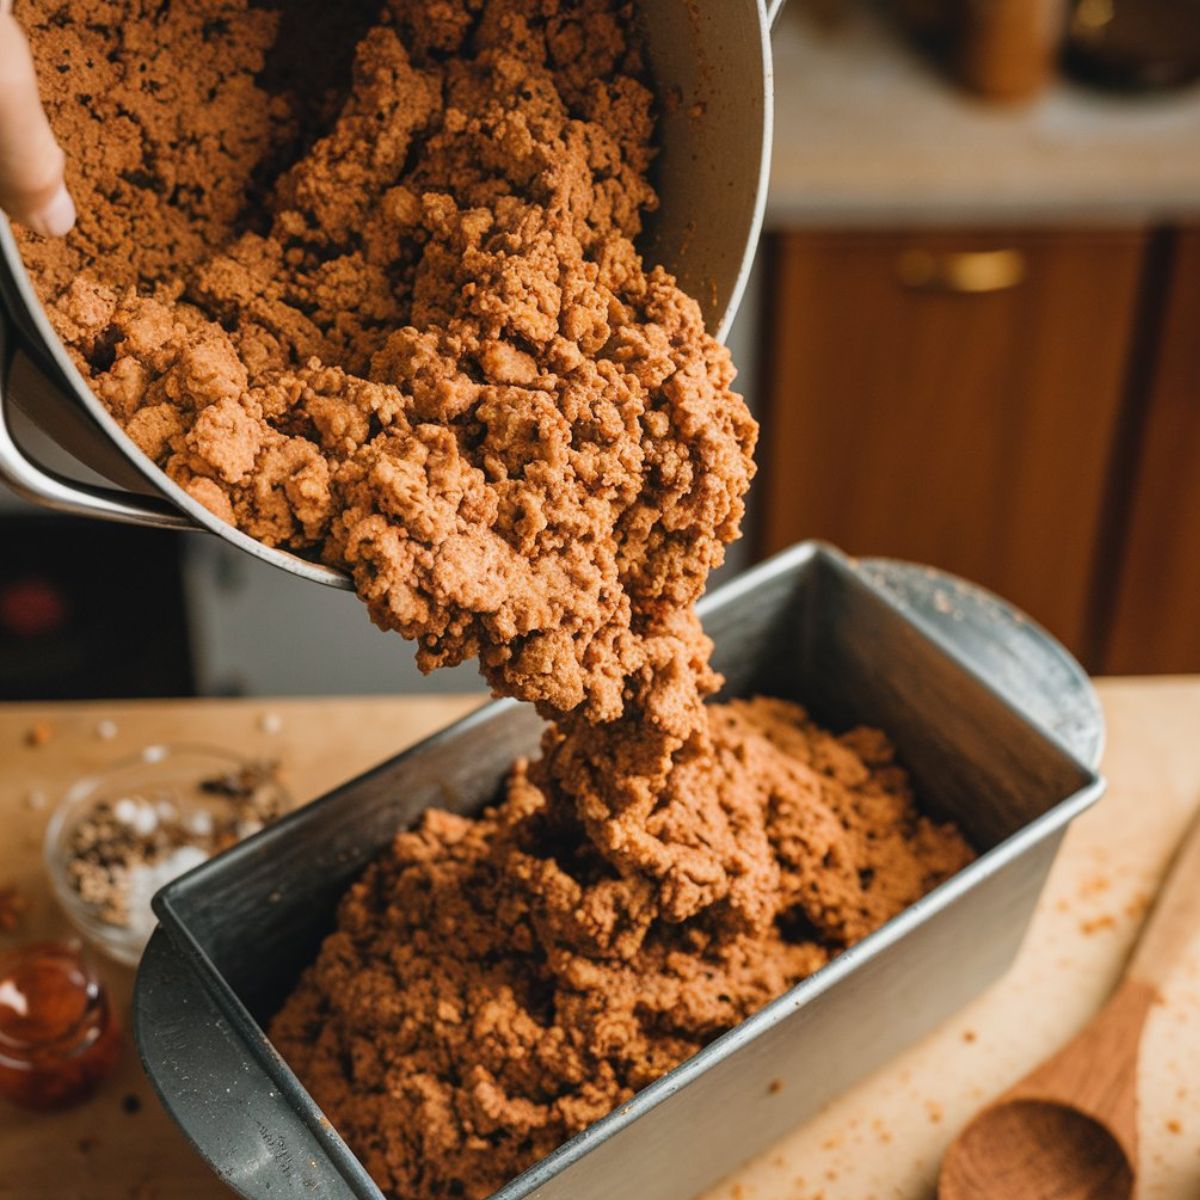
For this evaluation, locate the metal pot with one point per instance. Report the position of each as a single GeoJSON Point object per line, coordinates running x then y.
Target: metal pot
{"type": "Point", "coordinates": [715, 55]}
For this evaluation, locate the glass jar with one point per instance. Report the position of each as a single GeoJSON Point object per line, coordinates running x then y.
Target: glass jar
{"type": "Point", "coordinates": [58, 1034]}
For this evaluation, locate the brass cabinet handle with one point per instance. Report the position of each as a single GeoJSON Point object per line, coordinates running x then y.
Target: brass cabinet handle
{"type": "Point", "coordinates": [968, 271]}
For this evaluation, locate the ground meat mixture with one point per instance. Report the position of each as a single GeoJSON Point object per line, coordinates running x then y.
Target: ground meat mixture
{"type": "Point", "coordinates": [493, 987]}
{"type": "Point", "coordinates": [362, 279]}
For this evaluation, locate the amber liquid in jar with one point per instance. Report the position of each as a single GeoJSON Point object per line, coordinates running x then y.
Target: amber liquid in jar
{"type": "Point", "coordinates": [58, 1035]}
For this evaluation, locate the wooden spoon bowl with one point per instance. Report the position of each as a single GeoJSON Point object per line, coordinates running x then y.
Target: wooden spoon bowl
{"type": "Point", "coordinates": [1068, 1130]}
{"type": "Point", "coordinates": [1037, 1150]}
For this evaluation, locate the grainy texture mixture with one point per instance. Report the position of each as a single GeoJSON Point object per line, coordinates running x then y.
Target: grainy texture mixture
{"type": "Point", "coordinates": [362, 279]}
{"type": "Point", "coordinates": [493, 988]}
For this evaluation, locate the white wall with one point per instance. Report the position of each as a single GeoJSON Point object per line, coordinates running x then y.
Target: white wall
{"type": "Point", "coordinates": [257, 630]}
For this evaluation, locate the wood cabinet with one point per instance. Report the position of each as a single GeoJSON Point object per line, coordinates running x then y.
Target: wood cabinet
{"type": "Point", "coordinates": [956, 399]}
{"type": "Point", "coordinates": [1155, 624]}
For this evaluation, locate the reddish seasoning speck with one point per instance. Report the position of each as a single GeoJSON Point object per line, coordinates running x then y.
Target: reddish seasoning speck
{"type": "Point", "coordinates": [12, 908]}
{"type": "Point", "coordinates": [38, 734]}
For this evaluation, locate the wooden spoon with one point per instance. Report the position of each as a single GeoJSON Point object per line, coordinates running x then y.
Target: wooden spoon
{"type": "Point", "coordinates": [1068, 1130]}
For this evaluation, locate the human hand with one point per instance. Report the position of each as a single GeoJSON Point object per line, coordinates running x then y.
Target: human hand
{"type": "Point", "coordinates": [32, 190]}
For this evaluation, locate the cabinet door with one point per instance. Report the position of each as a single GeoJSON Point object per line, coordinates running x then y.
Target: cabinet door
{"type": "Point", "coordinates": [951, 399]}
{"type": "Point", "coordinates": [1156, 623]}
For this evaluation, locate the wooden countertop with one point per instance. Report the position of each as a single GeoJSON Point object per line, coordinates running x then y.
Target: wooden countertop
{"type": "Point", "coordinates": [882, 1140]}
{"type": "Point", "coordinates": [867, 133]}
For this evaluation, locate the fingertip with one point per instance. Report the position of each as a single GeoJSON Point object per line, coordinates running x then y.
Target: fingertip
{"type": "Point", "coordinates": [56, 217]}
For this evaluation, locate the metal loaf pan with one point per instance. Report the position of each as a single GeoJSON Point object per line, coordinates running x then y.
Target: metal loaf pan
{"type": "Point", "coordinates": [810, 625]}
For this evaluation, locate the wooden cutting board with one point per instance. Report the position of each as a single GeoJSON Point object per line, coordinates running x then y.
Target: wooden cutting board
{"type": "Point", "coordinates": [881, 1141]}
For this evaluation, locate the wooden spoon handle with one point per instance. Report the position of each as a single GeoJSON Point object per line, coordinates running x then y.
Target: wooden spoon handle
{"type": "Point", "coordinates": [1174, 921]}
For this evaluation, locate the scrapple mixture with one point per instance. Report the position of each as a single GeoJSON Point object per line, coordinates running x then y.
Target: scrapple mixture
{"type": "Point", "coordinates": [362, 279]}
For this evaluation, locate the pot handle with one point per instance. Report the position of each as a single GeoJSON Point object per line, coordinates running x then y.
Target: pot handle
{"type": "Point", "coordinates": [227, 1105]}
{"type": "Point", "coordinates": [47, 488]}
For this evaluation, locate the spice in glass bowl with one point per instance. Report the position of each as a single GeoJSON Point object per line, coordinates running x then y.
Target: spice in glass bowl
{"type": "Point", "coordinates": [122, 835]}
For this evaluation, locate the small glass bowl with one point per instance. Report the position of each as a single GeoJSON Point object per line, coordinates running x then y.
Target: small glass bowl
{"type": "Point", "coordinates": [181, 777]}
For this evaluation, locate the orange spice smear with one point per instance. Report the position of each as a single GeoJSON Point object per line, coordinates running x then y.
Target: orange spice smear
{"type": "Point", "coordinates": [58, 1034]}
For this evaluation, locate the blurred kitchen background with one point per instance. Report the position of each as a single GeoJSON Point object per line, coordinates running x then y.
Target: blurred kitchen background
{"type": "Point", "coordinates": [972, 339]}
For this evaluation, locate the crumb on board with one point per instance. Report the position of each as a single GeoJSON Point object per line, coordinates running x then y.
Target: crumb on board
{"type": "Point", "coordinates": [39, 733]}
{"type": "Point", "coordinates": [1095, 884]}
